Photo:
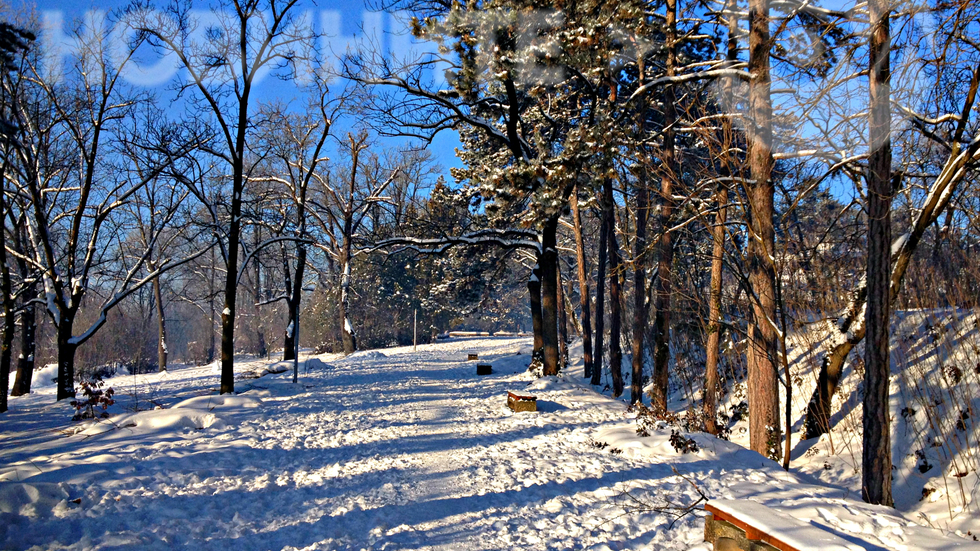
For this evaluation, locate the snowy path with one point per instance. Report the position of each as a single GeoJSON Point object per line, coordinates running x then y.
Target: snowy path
{"type": "Point", "coordinates": [401, 451]}
{"type": "Point", "coordinates": [381, 450]}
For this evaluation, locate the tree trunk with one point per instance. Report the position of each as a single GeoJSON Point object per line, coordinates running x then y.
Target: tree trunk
{"type": "Point", "coordinates": [260, 347]}
{"type": "Point", "coordinates": [28, 321]}
{"type": "Point", "coordinates": [549, 295]}
{"type": "Point", "coordinates": [600, 291]}
{"type": "Point", "coordinates": [291, 341]}
{"type": "Point", "coordinates": [162, 351]}
{"type": "Point", "coordinates": [562, 319]}
{"type": "Point", "coordinates": [66, 360]}
{"type": "Point", "coordinates": [9, 325]}
{"type": "Point", "coordinates": [665, 258]}
{"type": "Point", "coordinates": [288, 344]}
{"type": "Point", "coordinates": [615, 300]}
{"type": "Point", "coordinates": [211, 295]}
{"type": "Point", "coordinates": [639, 293]}
{"type": "Point", "coordinates": [211, 339]}
{"type": "Point", "coordinates": [876, 463]}
{"type": "Point", "coordinates": [234, 241]}
{"type": "Point", "coordinates": [714, 315]}
{"type": "Point", "coordinates": [347, 334]}
{"type": "Point", "coordinates": [25, 363]}
{"type": "Point", "coordinates": [537, 324]}
{"type": "Point", "coordinates": [763, 390]}
{"type": "Point", "coordinates": [583, 286]}
{"type": "Point", "coordinates": [228, 315]}
{"type": "Point", "coordinates": [718, 238]}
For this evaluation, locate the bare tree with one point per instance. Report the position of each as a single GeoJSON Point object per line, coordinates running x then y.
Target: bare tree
{"type": "Point", "coordinates": [295, 144]}
{"type": "Point", "coordinates": [74, 213]}
{"type": "Point", "coordinates": [259, 35]}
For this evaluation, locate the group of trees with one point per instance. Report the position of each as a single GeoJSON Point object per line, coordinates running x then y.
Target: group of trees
{"type": "Point", "coordinates": [661, 117]}
{"type": "Point", "coordinates": [636, 146]}
{"type": "Point", "coordinates": [165, 217]}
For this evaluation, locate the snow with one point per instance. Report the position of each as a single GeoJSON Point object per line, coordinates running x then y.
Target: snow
{"type": "Point", "coordinates": [392, 450]}
{"type": "Point", "coordinates": [934, 452]}
{"type": "Point", "coordinates": [791, 531]}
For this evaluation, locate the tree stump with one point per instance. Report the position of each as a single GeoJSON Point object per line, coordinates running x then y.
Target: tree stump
{"type": "Point", "coordinates": [517, 402]}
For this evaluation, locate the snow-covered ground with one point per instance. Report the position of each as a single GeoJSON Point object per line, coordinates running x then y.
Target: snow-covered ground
{"type": "Point", "coordinates": [389, 449]}
{"type": "Point", "coordinates": [935, 400]}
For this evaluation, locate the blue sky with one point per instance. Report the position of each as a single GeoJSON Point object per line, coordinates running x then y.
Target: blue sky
{"type": "Point", "coordinates": [346, 20]}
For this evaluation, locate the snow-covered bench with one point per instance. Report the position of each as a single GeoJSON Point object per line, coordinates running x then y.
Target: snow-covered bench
{"type": "Point", "coordinates": [751, 526]}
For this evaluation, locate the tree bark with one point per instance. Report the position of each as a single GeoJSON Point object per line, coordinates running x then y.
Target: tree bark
{"type": "Point", "coordinates": [537, 324]}
{"type": "Point", "coordinates": [231, 295]}
{"type": "Point", "coordinates": [562, 319]}
{"type": "Point", "coordinates": [583, 286]}
{"type": "Point", "coordinates": [718, 237]}
{"type": "Point", "coordinates": [639, 293]}
{"type": "Point", "coordinates": [25, 363]}
{"type": "Point", "coordinates": [763, 390]}
{"type": "Point", "coordinates": [291, 340]}
{"type": "Point", "coordinates": [615, 299]}
{"type": "Point", "coordinates": [260, 347]}
{"type": "Point", "coordinates": [876, 463]}
{"type": "Point", "coordinates": [714, 315]}
{"type": "Point", "coordinates": [348, 336]}
{"type": "Point", "coordinates": [549, 295]}
{"type": "Point", "coordinates": [211, 310]}
{"type": "Point", "coordinates": [600, 292]}
{"type": "Point", "coordinates": [234, 242]}
{"type": "Point", "coordinates": [66, 359]}
{"type": "Point", "coordinates": [28, 321]}
{"type": "Point", "coordinates": [9, 319]}
{"type": "Point", "coordinates": [162, 351]}
{"type": "Point", "coordinates": [665, 264]}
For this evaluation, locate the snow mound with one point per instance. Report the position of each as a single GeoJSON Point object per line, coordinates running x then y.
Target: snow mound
{"type": "Point", "coordinates": [316, 364]}
{"type": "Point", "coordinates": [158, 420]}
{"type": "Point", "coordinates": [194, 413]}
{"type": "Point", "coordinates": [220, 401]}
{"type": "Point", "coordinates": [278, 367]}
{"type": "Point", "coordinates": [367, 355]}
{"type": "Point", "coordinates": [658, 446]}
{"type": "Point", "coordinates": [31, 500]}
{"type": "Point", "coordinates": [46, 377]}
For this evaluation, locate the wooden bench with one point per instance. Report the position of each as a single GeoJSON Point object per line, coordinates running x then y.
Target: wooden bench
{"type": "Point", "coordinates": [751, 526]}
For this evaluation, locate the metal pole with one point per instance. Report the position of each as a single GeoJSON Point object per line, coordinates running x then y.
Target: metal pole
{"type": "Point", "coordinates": [415, 332]}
